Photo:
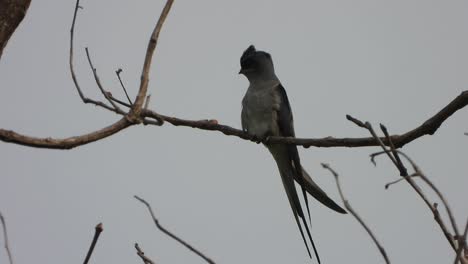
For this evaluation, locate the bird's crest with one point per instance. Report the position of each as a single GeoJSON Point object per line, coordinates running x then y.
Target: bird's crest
{"type": "Point", "coordinates": [249, 52]}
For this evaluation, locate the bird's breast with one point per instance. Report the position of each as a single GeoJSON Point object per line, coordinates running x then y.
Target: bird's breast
{"type": "Point", "coordinates": [260, 112]}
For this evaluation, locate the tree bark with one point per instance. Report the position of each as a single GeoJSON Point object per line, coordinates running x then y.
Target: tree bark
{"type": "Point", "coordinates": [12, 13]}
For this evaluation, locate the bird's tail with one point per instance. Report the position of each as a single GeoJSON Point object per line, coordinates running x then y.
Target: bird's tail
{"type": "Point", "coordinates": [296, 207]}
{"type": "Point", "coordinates": [313, 189]}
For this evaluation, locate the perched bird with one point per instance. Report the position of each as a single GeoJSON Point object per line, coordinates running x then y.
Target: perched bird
{"type": "Point", "coordinates": [266, 112]}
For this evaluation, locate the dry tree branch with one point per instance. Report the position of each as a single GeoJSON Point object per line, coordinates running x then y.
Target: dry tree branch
{"type": "Point", "coordinates": [71, 142]}
{"type": "Point", "coordinates": [142, 255]}
{"type": "Point", "coordinates": [137, 105]}
{"type": "Point", "coordinates": [101, 88]}
{"type": "Point", "coordinates": [355, 214]}
{"type": "Point", "coordinates": [85, 99]}
{"type": "Point", "coordinates": [5, 238]}
{"type": "Point", "coordinates": [11, 15]}
{"type": "Point", "coordinates": [419, 173]}
{"type": "Point", "coordinates": [118, 72]}
{"type": "Point", "coordinates": [427, 128]}
{"type": "Point", "coordinates": [171, 235]}
{"type": "Point", "coordinates": [462, 246]}
{"type": "Point", "coordinates": [392, 153]}
{"type": "Point", "coordinates": [97, 232]}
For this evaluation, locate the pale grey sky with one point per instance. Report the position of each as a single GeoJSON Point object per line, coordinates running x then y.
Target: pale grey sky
{"type": "Point", "coordinates": [395, 62]}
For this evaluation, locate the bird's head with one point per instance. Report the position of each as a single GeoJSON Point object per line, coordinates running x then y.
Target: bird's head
{"type": "Point", "coordinates": [256, 64]}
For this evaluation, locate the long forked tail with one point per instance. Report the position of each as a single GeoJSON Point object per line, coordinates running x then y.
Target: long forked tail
{"type": "Point", "coordinates": [293, 198]}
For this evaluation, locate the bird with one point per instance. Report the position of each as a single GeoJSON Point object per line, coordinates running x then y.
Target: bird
{"type": "Point", "coordinates": [266, 112]}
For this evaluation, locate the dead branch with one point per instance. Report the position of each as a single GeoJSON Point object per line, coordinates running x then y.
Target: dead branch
{"type": "Point", "coordinates": [139, 114]}
{"type": "Point", "coordinates": [427, 128]}
{"type": "Point", "coordinates": [118, 72]}
{"type": "Point", "coordinates": [462, 246]}
{"type": "Point", "coordinates": [355, 214]}
{"type": "Point", "coordinates": [11, 15]}
{"type": "Point", "coordinates": [137, 105]}
{"type": "Point", "coordinates": [106, 94]}
{"type": "Point", "coordinates": [172, 235]}
{"type": "Point", "coordinates": [5, 238]}
{"type": "Point", "coordinates": [97, 232]}
{"type": "Point", "coordinates": [142, 255]}
{"type": "Point", "coordinates": [393, 155]}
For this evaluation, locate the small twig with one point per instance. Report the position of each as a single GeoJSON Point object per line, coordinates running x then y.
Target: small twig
{"type": "Point", "coordinates": [171, 235]}
{"type": "Point", "coordinates": [418, 172]}
{"type": "Point", "coordinates": [461, 245]}
{"type": "Point", "coordinates": [399, 164]}
{"type": "Point", "coordinates": [97, 231]}
{"type": "Point", "coordinates": [101, 88]}
{"type": "Point", "coordinates": [5, 238]}
{"type": "Point", "coordinates": [118, 72]}
{"type": "Point", "coordinates": [142, 255]}
{"type": "Point", "coordinates": [355, 214]}
{"type": "Point", "coordinates": [403, 172]}
{"type": "Point", "coordinates": [85, 99]}
{"type": "Point", "coordinates": [399, 180]}
{"type": "Point", "coordinates": [148, 98]}
{"type": "Point", "coordinates": [118, 101]}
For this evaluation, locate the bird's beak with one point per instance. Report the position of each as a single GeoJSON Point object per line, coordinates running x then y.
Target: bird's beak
{"type": "Point", "coordinates": [244, 71]}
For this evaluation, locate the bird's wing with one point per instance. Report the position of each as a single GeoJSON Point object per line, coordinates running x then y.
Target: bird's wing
{"type": "Point", "coordinates": [286, 125]}
{"type": "Point", "coordinates": [286, 129]}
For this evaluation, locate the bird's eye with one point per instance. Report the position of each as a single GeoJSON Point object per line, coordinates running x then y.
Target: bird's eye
{"type": "Point", "coordinates": [248, 63]}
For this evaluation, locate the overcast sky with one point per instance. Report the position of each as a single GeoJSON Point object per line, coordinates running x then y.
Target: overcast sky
{"type": "Point", "coordinates": [395, 62]}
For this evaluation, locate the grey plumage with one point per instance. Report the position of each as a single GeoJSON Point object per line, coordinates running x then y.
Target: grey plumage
{"type": "Point", "coordinates": [266, 112]}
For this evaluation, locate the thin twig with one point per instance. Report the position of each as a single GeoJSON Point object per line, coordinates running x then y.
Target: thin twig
{"type": "Point", "coordinates": [400, 166]}
{"type": "Point", "coordinates": [399, 180]}
{"type": "Point", "coordinates": [85, 99]}
{"type": "Point", "coordinates": [147, 101]}
{"type": "Point", "coordinates": [171, 235]}
{"type": "Point", "coordinates": [101, 88]}
{"type": "Point", "coordinates": [142, 255]}
{"type": "Point", "coordinates": [419, 173]}
{"type": "Point", "coordinates": [461, 245]}
{"type": "Point", "coordinates": [5, 238]}
{"type": "Point", "coordinates": [97, 232]}
{"type": "Point", "coordinates": [355, 214]}
{"type": "Point", "coordinates": [118, 72]}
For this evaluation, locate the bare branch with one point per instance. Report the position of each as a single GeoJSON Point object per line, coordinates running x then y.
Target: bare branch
{"type": "Point", "coordinates": [403, 172]}
{"type": "Point", "coordinates": [11, 15]}
{"type": "Point", "coordinates": [399, 180]}
{"type": "Point", "coordinates": [101, 88]}
{"type": "Point", "coordinates": [171, 235]}
{"type": "Point", "coordinates": [118, 72]}
{"type": "Point", "coordinates": [5, 238]}
{"type": "Point", "coordinates": [147, 101]}
{"type": "Point", "coordinates": [85, 99]}
{"type": "Point", "coordinates": [355, 214]}
{"type": "Point", "coordinates": [137, 106]}
{"type": "Point", "coordinates": [419, 173]}
{"type": "Point", "coordinates": [142, 255]}
{"type": "Point", "coordinates": [65, 143]}
{"type": "Point", "coordinates": [462, 246]}
{"type": "Point", "coordinates": [212, 125]}
{"type": "Point", "coordinates": [97, 232]}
